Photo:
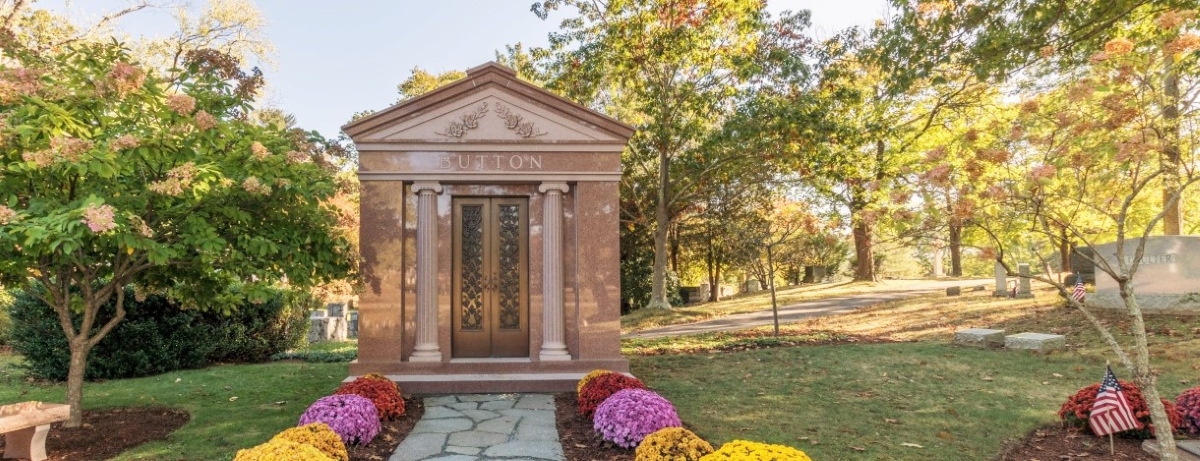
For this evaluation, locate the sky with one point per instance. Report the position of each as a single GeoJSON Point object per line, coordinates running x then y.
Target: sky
{"type": "Point", "coordinates": [331, 62]}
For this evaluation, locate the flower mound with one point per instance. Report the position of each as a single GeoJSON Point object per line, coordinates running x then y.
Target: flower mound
{"type": "Point", "coordinates": [1076, 409]}
{"type": "Point", "coordinates": [1188, 404]}
{"type": "Point", "coordinates": [281, 450]}
{"type": "Point", "coordinates": [382, 392]}
{"type": "Point", "coordinates": [629, 415]}
{"type": "Point", "coordinates": [319, 436]}
{"type": "Point", "coordinates": [588, 377]}
{"type": "Point", "coordinates": [672, 444]}
{"type": "Point", "coordinates": [754, 451]}
{"type": "Point", "coordinates": [353, 418]}
{"type": "Point", "coordinates": [599, 388]}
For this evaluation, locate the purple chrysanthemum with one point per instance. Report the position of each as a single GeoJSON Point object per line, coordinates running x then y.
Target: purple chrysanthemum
{"type": "Point", "coordinates": [628, 416]}
{"type": "Point", "coordinates": [1188, 404]}
{"type": "Point", "coordinates": [353, 418]}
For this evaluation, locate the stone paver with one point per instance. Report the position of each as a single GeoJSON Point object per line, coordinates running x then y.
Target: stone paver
{"type": "Point", "coordinates": [979, 337]}
{"type": "Point", "coordinates": [484, 427]}
{"type": "Point", "coordinates": [1040, 342]}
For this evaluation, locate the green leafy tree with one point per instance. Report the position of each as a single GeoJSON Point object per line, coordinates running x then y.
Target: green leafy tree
{"type": "Point", "coordinates": [421, 81]}
{"type": "Point", "coordinates": [668, 67]}
{"type": "Point", "coordinates": [1092, 155]}
{"type": "Point", "coordinates": [114, 177]}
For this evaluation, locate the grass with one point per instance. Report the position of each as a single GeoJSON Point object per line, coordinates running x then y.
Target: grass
{"type": "Point", "coordinates": [854, 401]}
{"type": "Point", "coordinates": [739, 304]}
{"type": "Point", "coordinates": [322, 352]}
{"type": "Point", "coordinates": [232, 406]}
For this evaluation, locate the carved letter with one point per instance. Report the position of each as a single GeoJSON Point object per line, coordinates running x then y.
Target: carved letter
{"type": "Point", "coordinates": [497, 157]}
{"type": "Point", "coordinates": [535, 162]}
{"type": "Point", "coordinates": [444, 161]}
{"type": "Point", "coordinates": [481, 164]}
{"type": "Point", "coordinates": [516, 162]}
{"type": "Point", "coordinates": [461, 165]}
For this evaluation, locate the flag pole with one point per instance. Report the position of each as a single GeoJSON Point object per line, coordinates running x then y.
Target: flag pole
{"type": "Point", "coordinates": [1111, 449]}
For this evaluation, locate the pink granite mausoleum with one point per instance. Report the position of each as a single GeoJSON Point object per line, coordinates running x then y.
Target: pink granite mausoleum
{"type": "Point", "coordinates": [489, 238]}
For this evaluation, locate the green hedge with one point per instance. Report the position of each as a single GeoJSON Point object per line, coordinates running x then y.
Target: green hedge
{"type": "Point", "coordinates": [157, 336]}
{"type": "Point", "coordinates": [6, 300]}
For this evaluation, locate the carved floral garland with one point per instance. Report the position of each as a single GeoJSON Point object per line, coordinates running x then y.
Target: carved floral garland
{"type": "Point", "coordinates": [470, 121]}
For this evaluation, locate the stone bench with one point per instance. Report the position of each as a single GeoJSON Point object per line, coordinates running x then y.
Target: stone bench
{"type": "Point", "coordinates": [1039, 342]}
{"type": "Point", "coordinates": [25, 426]}
{"type": "Point", "coordinates": [982, 337]}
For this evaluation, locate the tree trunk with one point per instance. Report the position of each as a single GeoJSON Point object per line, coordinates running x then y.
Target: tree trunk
{"type": "Point", "coordinates": [714, 271]}
{"type": "Point", "coordinates": [658, 290]}
{"type": "Point", "coordinates": [1064, 251]}
{"type": "Point", "coordinates": [865, 272]}
{"type": "Point", "coordinates": [675, 249]}
{"type": "Point", "coordinates": [771, 281]}
{"type": "Point", "coordinates": [79, 353]}
{"type": "Point", "coordinates": [1145, 378]}
{"type": "Point", "coordinates": [956, 250]}
{"type": "Point", "coordinates": [1173, 211]}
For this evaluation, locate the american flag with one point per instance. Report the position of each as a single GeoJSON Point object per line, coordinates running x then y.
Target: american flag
{"type": "Point", "coordinates": [1079, 290]}
{"type": "Point", "coordinates": [1111, 412]}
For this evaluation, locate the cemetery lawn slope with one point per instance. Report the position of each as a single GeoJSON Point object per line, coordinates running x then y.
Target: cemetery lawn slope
{"type": "Point", "coordinates": [232, 406]}
{"type": "Point", "coordinates": [844, 399]}
{"type": "Point", "coordinates": [761, 301]}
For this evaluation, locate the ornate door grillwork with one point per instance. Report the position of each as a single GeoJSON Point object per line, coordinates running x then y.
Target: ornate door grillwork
{"type": "Point", "coordinates": [491, 278]}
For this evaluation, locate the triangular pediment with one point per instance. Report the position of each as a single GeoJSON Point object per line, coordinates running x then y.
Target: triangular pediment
{"type": "Point", "coordinates": [490, 105]}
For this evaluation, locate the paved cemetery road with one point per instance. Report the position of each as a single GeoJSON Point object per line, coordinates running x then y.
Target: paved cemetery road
{"type": "Point", "coordinates": [806, 309]}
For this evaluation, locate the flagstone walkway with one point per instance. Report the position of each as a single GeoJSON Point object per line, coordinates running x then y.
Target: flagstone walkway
{"type": "Point", "coordinates": [484, 427]}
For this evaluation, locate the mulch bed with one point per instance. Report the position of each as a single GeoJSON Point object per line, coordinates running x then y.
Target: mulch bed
{"type": "Point", "coordinates": [580, 442]}
{"type": "Point", "coordinates": [1056, 442]}
{"type": "Point", "coordinates": [107, 433]}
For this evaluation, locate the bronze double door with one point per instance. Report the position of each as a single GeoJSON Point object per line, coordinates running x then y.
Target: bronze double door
{"type": "Point", "coordinates": [490, 286]}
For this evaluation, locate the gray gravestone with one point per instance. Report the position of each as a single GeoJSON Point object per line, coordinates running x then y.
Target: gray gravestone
{"type": "Point", "coordinates": [814, 274]}
{"type": "Point", "coordinates": [1001, 281]}
{"type": "Point", "coordinates": [979, 337]}
{"type": "Point", "coordinates": [318, 314]}
{"type": "Point", "coordinates": [336, 309]}
{"type": "Point", "coordinates": [953, 291]}
{"type": "Point", "coordinates": [1167, 278]}
{"type": "Point", "coordinates": [1026, 288]}
{"type": "Point", "coordinates": [753, 286]}
{"type": "Point", "coordinates": [352, 332]}
{"type": "Point", "coordinates": [1039, 342]}
{"type": "Point", "coordinates": [1081, 264]}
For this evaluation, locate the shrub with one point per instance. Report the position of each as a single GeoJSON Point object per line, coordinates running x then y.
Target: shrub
{"type": "Point", "coordinates": [588, 377]}
{"type": "Point", "coordinates": [1076, 409]}
{"type": "Point", "coordinates": [1188, 404]}
{"type": "Point", "coordinates": [319, 436]}
{"type": "Point", "coordinates": [753, 451]}
{"type": "Point", "coordinates": [629, 415]}
{"type": "Point", "coordinates": [382, 392]}
{"type": "Point", "coordinates": [157, 336]}
{"type": "Point", "coordinates": [353, 418]}
{"type": "Point", "coordinates": [672, 444]}
{"type": "Point", "coordinates": [601, 387]}
{"type": "Point", "coordinates": [6, 300]}
{"type": "Point", "coordinates": [281, 450]}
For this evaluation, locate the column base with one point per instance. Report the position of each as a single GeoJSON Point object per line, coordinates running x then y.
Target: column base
{"type": "Point", "coordinates": [552, 355]}
{"type": "Point", "coordinates": [426, 356]}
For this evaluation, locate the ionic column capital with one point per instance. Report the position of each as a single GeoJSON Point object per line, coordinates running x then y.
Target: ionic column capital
{"type": "Point", "coordinates": [554, 186]}
{"type": "Point", "coordinates": [421, 186]}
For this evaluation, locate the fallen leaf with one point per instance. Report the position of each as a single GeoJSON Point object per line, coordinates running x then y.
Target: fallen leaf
{"type": "Point", "coordinates": [858, 448]}
{"type": "Point", "coordinates": [233, 399]}
{"type": "Point", "coordinates": [890, 420]}
{"type": "Point", "coordinates": [178, 379]}
{"type": "Point", "coordinates": [281, 402]}
{"type": "Point", "coordinates": [945, 435]}
{"type": "Point", "coordinates": [1056, 375]}
{"type": "Point", "coordinates": [906, 444]}
{"type": "Point", "coordinates": [987, 378]}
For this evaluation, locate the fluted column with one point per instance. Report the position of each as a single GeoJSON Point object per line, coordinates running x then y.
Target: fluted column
{"type": "Point", "coordinates": [553, 345]}
{"type": "Point", "coordinates": [426, 349]}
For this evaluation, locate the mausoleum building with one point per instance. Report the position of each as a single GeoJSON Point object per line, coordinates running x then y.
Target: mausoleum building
{"type": "Point", "coordinates": [489, 238]}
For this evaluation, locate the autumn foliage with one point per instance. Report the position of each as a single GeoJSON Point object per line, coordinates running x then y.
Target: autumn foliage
{"type": "Point", "coordinates": [601, 387]}
{"type": "Point", "coordinates": [382, 392]}
{"type": "Point", "coordinates": [1076, 409]}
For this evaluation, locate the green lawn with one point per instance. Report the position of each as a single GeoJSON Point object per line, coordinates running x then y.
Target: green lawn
{"type": "Point", "coordinates": [232, 406]}
{"type": "Point", "coordinates": [842, 401]}
{"type": "Point", "coordinates": [864, 401]}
